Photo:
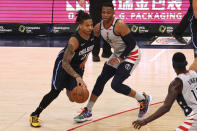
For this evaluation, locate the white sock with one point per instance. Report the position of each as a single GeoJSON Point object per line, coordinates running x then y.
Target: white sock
{"type": "Point", "coordinates": [90, 105]}
{"type": "Point", "coordinates": [139, 97]}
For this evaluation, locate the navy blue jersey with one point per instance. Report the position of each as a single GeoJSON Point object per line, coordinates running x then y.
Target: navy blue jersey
{"type": "Point", "coordinates": [85, 47]}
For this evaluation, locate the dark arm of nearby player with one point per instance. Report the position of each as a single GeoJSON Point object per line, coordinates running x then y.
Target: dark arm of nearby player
{"type": "Point", "coordinates": [194, 4]}
{"type": "Point", "coordinates": [123, 30]}
{"type": "Point", "coordinates": [68, 54]}
{"type": "Point", "coordinates": [174, 89]}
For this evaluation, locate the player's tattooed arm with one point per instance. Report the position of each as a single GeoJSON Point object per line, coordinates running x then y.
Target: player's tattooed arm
{"type": "Point", "coordinates": [194, 4]}
{"type": "Point", "coordinates": [68, 54]}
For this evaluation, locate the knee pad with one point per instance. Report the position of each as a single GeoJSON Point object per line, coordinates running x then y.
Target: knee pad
{"type": "Point", "coordinates": [105, 75]}
{"type": "Point", "coordinates": [118, 86]}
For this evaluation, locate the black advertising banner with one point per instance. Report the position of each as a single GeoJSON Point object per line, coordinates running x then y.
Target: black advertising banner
{"type": "Point", "coordinates": [67, 28]}
{"type": "Point", "coordinates": [17, 28]}
{"type": "Point", "coordinates": [59, 28]}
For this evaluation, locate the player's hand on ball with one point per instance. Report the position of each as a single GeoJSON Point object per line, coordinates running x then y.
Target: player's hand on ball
{"type": "Point", "coordinates": [139, 123]}
{"type": "Point", "coordinates": [80, 82]}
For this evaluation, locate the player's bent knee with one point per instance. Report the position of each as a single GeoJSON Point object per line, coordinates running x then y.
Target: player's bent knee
{"type": "Point", "coordinates": [116, 86]}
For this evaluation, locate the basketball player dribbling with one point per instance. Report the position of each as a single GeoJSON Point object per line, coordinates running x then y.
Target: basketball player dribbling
{"type": "Point", "coordinates": [183, 89]}
{"type": "Point", "coordinates": [121, 63]}
{"type": "Point", "coordinates": [193, 29]}
{"type": "Point", "coordinates": [69, 65]}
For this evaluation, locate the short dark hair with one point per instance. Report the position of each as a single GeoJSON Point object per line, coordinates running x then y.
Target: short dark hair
{"type": "Point", "coordinates": [108, 4]}
{"type": "Point", "coordinates": [81, 16]}
{"type": "Point", "coordinates": [179, 60]}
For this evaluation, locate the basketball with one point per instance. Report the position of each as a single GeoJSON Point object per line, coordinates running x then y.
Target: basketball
{"type": "Point", "coordinates": [80, 94]}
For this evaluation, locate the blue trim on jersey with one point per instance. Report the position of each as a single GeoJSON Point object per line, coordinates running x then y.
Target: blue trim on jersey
{"type": "Point", "coordinates": [54, 80]}
{"type": "Point", "coordinates": [60, 53]}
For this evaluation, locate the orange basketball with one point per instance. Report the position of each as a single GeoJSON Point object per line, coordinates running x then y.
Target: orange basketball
{"type": "Point", "coordinates": [80, 94]}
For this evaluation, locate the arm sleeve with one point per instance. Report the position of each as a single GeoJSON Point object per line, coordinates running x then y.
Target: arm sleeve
{"type": "Point", "coordinates": [130, 45]}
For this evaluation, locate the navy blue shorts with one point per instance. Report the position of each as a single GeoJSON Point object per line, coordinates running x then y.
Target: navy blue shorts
{"type": "Point", "coordinates": [61, 79]}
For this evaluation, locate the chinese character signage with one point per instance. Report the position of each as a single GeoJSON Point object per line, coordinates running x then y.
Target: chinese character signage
{"type": "Point", "coordinates": [64, 11]}
{"type": "Point", "coordinates": [58, 16]}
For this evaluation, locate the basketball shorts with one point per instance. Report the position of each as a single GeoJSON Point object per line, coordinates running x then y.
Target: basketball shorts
{"type": "Point", "coordinates": [128, 64]}
{"type": "Point", "coordinates": [190, 124]}
{"type": "Point", "coordinates": [61, 79]}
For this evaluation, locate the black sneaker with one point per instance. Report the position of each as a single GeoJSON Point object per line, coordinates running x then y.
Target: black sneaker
{"type": "Point", "coordinates": [95, 58]}
{"type": "Point", "coordinates": [179, 38]}
{"type": "Point", "coordinates": [144, 106]}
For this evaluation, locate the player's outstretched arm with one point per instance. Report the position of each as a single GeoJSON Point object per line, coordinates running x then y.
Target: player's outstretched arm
{"type": "Point", "coordinates": [174, 89]}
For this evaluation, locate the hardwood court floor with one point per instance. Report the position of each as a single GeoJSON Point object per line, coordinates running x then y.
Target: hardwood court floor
{"type": "Point", "coordinates": [25, 77]}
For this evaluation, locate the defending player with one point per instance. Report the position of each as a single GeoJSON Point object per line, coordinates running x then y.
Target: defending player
{"type": "Point", "coordinates": [121, 63]}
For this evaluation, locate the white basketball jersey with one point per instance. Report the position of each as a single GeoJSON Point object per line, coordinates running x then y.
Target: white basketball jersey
{"type": "Point", "coordinates": [115, 41]}
{"type": "Point", "coordinates": [188, 99]}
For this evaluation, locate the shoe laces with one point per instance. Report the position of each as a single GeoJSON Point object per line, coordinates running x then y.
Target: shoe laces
{"type": "Point", "coordinates": [142, 105]}
{"type": "Point", "coordinates": [82, 111]}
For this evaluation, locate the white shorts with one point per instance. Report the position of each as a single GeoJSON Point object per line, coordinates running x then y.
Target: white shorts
{"type": "Point", "coordinates": [190, 124]}
{"type": "Point", "coordinates": [133, 57]}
